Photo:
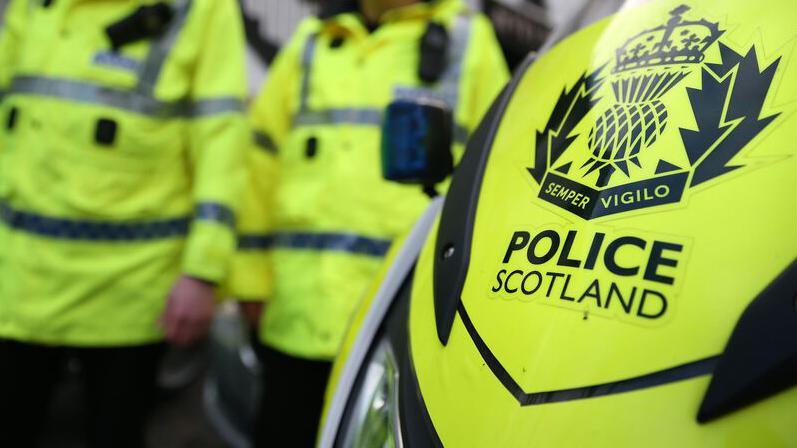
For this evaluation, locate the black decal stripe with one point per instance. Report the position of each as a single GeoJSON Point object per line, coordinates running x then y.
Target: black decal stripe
{"type": "Point", "coordinates": [760, 358]}
{"type": "Point", "coordinates": [673, 374]}
{"type": "Point", "coordinates": [492, 362]}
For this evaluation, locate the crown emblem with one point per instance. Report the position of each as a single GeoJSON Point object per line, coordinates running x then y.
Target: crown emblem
{"type": "Point", "coordinates": [678, 41]}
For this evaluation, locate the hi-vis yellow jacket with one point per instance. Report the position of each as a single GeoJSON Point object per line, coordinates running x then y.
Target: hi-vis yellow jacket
{"type": "Point", "coordinates": [318, 117]}
{"type": "Point", "coordinates": [118, 170]}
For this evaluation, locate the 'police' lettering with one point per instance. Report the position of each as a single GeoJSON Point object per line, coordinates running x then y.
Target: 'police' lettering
{"type": "Point", "coordinates": [656, 260]}
{"type": "Point", "coordinates": [633, 271]}
{"type": "Point", "coordinates": [519, 241]}
{"type": "Point", "coordinates": [547, 244]}
{"type": "Point", "coordinates": [550, 252]}
{"type": "Point", "coordinates": [610, 257]}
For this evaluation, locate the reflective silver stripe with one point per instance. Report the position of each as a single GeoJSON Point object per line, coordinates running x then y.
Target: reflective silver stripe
{"type": "Point", "coordinates": [447, 89]}
{"type": "Point", "coordinates": [450, 82]}
{"type": "Point", "coordinates": [418, 94]}
{"type": "Point", "coordinates": [264, 141]}
{"type": "Point", "coordinates": [363, 116]}
{"type": "Point", "coordinates": [307, 66]}
{"type": "Point", "coordinates": [213, 106]}
{"type": "Point", "coordinates": [160, 49]}
{"type": "Point", "coordinates": [83, 92]}
{"type": "Point", "coordinates": [449, 85]}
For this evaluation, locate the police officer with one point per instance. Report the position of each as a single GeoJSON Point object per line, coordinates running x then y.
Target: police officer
{"type": "Point", "coordinates": [120, 164]}
{"type": "Point", "coordinates": [332, 216]}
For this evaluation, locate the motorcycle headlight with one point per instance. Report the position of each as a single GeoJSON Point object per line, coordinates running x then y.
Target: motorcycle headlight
{"type": "Point", "coordinates": [375, 416]}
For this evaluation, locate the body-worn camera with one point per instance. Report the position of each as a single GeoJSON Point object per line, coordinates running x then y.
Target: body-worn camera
{"type": "Point", "coordinates": [416, 142]}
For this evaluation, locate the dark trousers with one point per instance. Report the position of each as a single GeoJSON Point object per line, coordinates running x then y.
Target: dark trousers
{"type": "Point", "coordinates": [292, 400]}
{"type": "Point", "coordinates": [119, 386]}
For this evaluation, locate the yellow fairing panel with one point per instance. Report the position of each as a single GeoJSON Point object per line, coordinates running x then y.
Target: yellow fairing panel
{"type": "Point", "coordinates": [638, 196]}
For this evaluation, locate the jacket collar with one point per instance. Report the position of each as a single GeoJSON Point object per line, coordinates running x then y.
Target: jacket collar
{"type": "Point", "coordinates": [332, 8]}
{"type": "Point", "coordinates": [346, 13]}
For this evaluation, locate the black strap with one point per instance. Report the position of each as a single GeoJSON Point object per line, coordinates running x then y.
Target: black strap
{"type": "Point", "coordinates": [146, 22]}
{"type": "Point", "coordinates": [434, 53]}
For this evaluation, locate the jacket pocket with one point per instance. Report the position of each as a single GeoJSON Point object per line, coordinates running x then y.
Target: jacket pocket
{"type": "Point", "coordinates": [135, 170]}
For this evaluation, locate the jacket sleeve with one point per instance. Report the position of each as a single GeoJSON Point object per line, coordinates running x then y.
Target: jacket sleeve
{"type": "Point", "coordinates": [10, 40]}
{"type": "Point", "coordinates": [270, 118]}
{"type": "Point", "coordinates": [218, 138]}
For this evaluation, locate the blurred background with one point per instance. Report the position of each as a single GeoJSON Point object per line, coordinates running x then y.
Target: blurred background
{"type": "Point", "coordinates": [207, 392]}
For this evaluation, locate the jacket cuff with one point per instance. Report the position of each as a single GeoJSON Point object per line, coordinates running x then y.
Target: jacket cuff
{"type": "Point", "coordinates": [208, 251]}
{"type": "Point", "coordinates": [251, 276]}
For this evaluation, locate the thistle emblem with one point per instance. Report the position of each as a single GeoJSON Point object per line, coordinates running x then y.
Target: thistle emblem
{"type": "Point", "coordinates": [639, 116]}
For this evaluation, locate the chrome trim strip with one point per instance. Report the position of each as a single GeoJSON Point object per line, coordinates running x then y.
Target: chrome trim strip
{"type": "Point", "coordinates": [396, 275]}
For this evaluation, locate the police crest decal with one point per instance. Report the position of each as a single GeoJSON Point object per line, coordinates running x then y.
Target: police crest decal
{"type": "Point", "coordinates": [614, 167]}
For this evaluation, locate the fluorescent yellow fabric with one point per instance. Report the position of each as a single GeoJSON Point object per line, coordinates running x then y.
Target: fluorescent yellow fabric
{"type": "Point", "coordinates": [585, 352]}
{"type": "Point", "coordinates": [334, 216]}
{"type": "Point", "coordinates": [357, 321]}
{"type": "Point", "coordinates": [93, 236]}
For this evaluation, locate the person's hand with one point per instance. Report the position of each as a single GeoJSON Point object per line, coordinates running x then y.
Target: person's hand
{"type": "Point", "coordinates": [251, 312]}
{"type": "Point", "coordinates": [189, 311]}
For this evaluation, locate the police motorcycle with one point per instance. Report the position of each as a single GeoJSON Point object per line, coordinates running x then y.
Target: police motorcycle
{"type": "Point", "coordinates": [615, 261]}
